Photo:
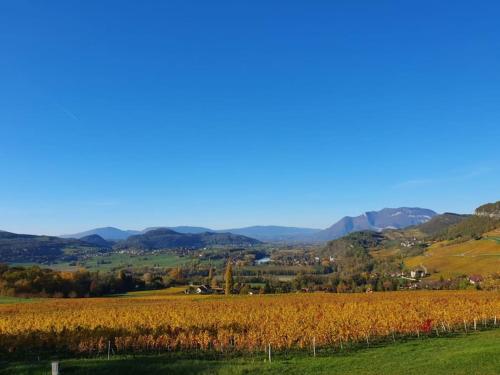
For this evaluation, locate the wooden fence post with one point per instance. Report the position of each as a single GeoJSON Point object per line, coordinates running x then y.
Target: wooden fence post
{"type": "Point", "coordinates": [55, 368]}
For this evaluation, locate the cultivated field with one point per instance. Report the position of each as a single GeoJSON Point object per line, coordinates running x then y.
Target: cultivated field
{"type": "Point", "coordinates": [249, 324]}
{"type": "Point", "coordinates": [471, 257]}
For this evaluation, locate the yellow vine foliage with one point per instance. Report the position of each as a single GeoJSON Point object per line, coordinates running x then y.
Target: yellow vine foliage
{"type": "Point", "coordinates": [240, 323]}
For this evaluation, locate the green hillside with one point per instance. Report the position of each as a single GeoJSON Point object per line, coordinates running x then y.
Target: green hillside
{"type": "Point", "coordinates": [39, 249]}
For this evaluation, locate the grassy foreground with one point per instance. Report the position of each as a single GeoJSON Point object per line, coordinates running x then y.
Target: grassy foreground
{"type": "Point", "coordinates": [476, 353]}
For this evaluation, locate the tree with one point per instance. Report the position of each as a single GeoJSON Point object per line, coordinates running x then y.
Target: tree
{"type": "Point", "coordinates": [342, 287]}
{"type": "Point", "coordinates": [210, 275]}
{"type": "Point", "coordinates": [267, 288]}
{"type": "Point", "coordinates": [245, 289]}
{"type": "Point", "coordinates": [229, 278]}
{"type": "Point", "coordinates": [213, 282]}
{"type": "Point", "coordinates": [387, 284]}
{"type": "Point", "coordinates": [176, 275]}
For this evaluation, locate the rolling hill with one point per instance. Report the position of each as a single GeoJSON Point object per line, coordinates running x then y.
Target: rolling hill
{"type": "Point", "coordinates": [95, 239]}
{"type": "Point", "coordinates": [164, 238]}
{"type": "Point", "coordinates": [38, 249]}
{"type": "Point", "coordinates": [448, 259]}
{"type": "Point", "coordinates": [470, 246]}
{"type": "Point", "coordinates": [181, 229]}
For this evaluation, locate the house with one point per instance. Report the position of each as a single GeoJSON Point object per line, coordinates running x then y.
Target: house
{"type": "Point", "coordinates": [203, 289]}
{"type": "Point", "coordinates": [198, 289]}
{"type": "Point", "coordinates": [419, 272]}
{"type": "Point", "coordinates": [475, 279]}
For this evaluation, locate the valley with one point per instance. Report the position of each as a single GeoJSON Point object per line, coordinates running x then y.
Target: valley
{"type": "Point", "coordinates": [441, 252]}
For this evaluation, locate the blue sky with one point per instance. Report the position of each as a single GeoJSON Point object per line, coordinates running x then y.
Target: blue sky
{"type": "Point", "coordinates": [234, 113]}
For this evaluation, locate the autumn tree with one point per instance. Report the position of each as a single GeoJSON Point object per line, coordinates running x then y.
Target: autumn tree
{"type": "Point", "coordinates": [213, 280]}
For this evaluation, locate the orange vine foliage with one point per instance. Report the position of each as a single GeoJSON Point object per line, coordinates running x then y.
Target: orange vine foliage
{"type": "Point", "coordinates": [244, 323]}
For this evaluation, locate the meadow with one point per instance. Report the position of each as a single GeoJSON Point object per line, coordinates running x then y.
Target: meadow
{"type": "Point", "coordinates": [116, 261]}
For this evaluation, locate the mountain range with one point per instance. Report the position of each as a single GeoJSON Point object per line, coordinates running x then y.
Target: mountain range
{"type": "Point", "coordinates": [387, 218]}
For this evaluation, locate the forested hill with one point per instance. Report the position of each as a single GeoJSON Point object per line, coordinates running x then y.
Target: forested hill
{"type": "Point", "coordinates": [38, 249]}
{"type": "Point", "coordinates": [168, 239]}
{"type": "Point", "coordinates": [438, 223]}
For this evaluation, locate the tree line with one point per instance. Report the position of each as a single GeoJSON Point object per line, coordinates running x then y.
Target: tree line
{"type": "Point", "coordinates": [41, 282]}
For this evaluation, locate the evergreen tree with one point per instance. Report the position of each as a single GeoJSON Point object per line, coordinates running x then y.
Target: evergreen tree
{"type": "Point", "coordinates": [267, 288]}
{"type": "Point", "coordinates": [229, 278]}
{"type": "Point", "coordinates": [210, 275]}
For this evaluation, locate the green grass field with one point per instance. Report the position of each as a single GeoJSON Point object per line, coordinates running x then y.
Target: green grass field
{"type": "Point", "coordinates": [120, 261]}
{"type": "Point", "coordinates": [476, 353]}
{"type": "Point", "coordinates": [8, 300]}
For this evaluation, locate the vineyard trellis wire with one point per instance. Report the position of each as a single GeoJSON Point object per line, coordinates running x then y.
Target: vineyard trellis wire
{"type": "Point", "coordinates": [238, 324]}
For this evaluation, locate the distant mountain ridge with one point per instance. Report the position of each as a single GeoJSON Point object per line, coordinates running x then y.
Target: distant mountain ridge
{"type": "Point", "coordinates": [164, 238]}
{"type": "Point", "coordinates": [387, 218]}
{"type": "Point", "coordinates": [181, 229]}
{"type": "Point", "coordinates": [265, 233]}
{"type": "Point", "coordinates": [107, 233]}
{"type": "Point", "coordinates": [274, 233]}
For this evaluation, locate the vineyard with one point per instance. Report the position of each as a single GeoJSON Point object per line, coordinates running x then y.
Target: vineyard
{"type": "Point", "coordinates": [238, 324]}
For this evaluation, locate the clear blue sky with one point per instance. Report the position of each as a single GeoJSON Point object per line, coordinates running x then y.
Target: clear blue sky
{"type": "Point", "coordinates": [233, 113]}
